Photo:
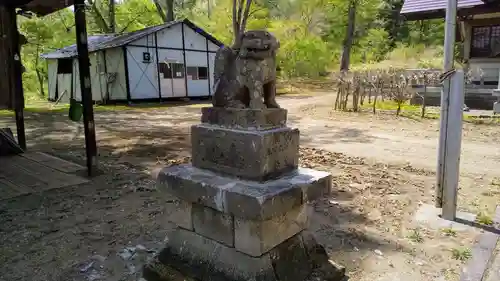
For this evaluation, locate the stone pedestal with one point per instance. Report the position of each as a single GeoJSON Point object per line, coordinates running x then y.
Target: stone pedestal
{"type": "Point", "coordinates": [242, 211]}
{"type": "Point", "coordinates": [496, 108]}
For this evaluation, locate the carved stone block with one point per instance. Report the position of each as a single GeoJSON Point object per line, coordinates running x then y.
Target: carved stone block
{"type": "Point", "coordinates": [244, 119]}
{"type": "Point", "coordinates": [256, 237]}
{"type": "Point", "coordinates": [251, 155]}
{"type": "Point", "coordinates": [213, 224]}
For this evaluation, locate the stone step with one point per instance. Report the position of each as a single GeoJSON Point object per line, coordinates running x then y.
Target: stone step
{"type": "Point", "coordinates": [242, 198]}
{"type": "Point", "coordinates": [300, 258]}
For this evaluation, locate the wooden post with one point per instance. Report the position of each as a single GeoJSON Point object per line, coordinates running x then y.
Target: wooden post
{"type": "Point", "coordinates": [13, 81]}
{"type": "Point", "coordinates": [83, 63]}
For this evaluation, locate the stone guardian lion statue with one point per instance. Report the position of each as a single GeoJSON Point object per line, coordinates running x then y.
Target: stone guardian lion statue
{"type": "Point", "coordinates": [246, 77]}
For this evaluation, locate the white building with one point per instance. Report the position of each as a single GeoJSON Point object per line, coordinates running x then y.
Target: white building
{"type": "Point", "coordinates": [172, 60]}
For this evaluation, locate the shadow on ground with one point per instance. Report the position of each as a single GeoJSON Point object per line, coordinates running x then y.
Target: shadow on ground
{"type": "Point", "coordinates": [47, 235]}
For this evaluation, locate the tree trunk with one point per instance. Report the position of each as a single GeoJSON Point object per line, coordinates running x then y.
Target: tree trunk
{"type": "Point", "coordinates": [422, 114]}
{"type": "Point", "coordinates": [346, 50]}
{"type": "Point", "coordinates": [241, 11]}
{"type": "Point", "coordinates": [209, 9]}
{"type": "Point", "coordinates": [159, 10]}
{"type": "Point", "coordinates": [170, 11]}
{"type": "Point", "coordinates": [38, 74]}
{"type": "Point", "coordinates": [96, 14]}
{"type": "Point", "coordinates": [112, 18]}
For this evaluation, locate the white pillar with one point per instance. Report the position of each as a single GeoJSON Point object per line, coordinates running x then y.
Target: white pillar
{"type": "Point", "coordinates": [449, 46]}
{"type": "Point", "coordinates": [453, 145]}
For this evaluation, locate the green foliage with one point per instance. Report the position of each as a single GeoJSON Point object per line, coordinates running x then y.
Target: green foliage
{"type": "Point", "coordinates": [484, 218]}
{"type": "Point", "coordinates": [311, 32]}
{"type": "Point", "coordinates": [461, 254]}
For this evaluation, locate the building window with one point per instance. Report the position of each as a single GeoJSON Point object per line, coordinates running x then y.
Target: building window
{"type": "Point", "coordinates": [64, 66]}
{"type": "Point", "coordinates": [192, 72]}
{"type": "Point", "coordinates": [485, 41]}
{"type": "Point", "coordinates": [178, 70]}
{"type": "Point", "coordinates": [197, 72]}
{"type": "Point", "coordinates": [171, 70]}
{"type": "Point", "coordinates": [203, 73]}
{"type": "Point", "coordinates": [165, 70]}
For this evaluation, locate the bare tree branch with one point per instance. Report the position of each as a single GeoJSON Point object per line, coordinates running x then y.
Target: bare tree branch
{"type": "Point", "coordinates": [245, 16]}
{"type": "Point", "coordinates": [240, 11]}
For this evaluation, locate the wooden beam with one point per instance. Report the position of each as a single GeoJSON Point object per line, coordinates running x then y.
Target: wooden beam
{"type": "Point", "coordinates": [6, 80]}
{"type": "Point", "coordinates": [12, 82]}
{"type": "Point", "coordinates": [85, 85]}
{"type": "Point", "coordinates": [483, 22]}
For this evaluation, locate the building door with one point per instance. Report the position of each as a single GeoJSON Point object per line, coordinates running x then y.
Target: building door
{"type": "Point", "coordinates": [64, 80]}
{"type": "Point", "coordinates": [172, 81]}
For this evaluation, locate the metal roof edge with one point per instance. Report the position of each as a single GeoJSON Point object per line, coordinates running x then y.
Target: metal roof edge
{"type": "Point", "coordinates": [108, 44]}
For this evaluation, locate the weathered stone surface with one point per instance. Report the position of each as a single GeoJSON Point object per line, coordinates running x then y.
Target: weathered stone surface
{"type": "Point", "coordinates": [324, 269]}
{"type": "Point", "coordinates": [206, 259]}
{"type": "Point", "coordinates": [252, 155]}
{"type": "Point", "coordinates": [201, 258]}
{"type": "Point", "coordinates": [256, 237]}
{"type": "Point", "coordinates": [246, 75]}
{"type": "Point", "coordinates": [254, 119]}
{"type": "Point", "coordinates": [178, 212]}
{"type": "Point", "coordinates": [290, 260]}
{"type": "Point", "coordinates": [213, 224]}
{"type": "Point", "coordinates": [240, 198]}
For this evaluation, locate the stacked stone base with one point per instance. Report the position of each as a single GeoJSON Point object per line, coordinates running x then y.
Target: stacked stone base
{"type": "Point", "coordinates": [242, 204]}
{"type": "Point", "coordinates": [299, 258]}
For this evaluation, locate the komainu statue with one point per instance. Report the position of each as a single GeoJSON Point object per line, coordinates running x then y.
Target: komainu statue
{"type": "Point", "coordinates": [245, 77]}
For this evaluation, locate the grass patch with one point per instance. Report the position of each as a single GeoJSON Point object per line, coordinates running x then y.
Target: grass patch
{"type": "Point", "coordinates": [416, 236]}
{"type": "Point", "coordinates": [484, 218]}
{"type": "Point", "coordinates": [38, 108]}
{"type": "Point", "coordinates": [449, 232]}
{"type": "Point", "coordinates": [391, 105]}
{"type": "Point", "coordinates": [461, 254]}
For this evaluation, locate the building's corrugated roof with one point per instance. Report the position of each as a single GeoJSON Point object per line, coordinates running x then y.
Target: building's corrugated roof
{"type": "Point", "coordinates": [94, 42]}
{"type": "Point", "coordinates": [420, 6]}
{"type": "Point", "coordinates": [108, 41]}
{"type": "Point", "coordinates": [40, 7]}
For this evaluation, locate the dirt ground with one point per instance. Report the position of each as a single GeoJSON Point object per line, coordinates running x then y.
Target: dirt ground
{"type": "Point", "coordinates": [383, 169]}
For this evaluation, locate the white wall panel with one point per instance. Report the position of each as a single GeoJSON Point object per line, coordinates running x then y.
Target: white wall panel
{"type": "Point", "coordinates": [194, 40]}
{"type": "Point", "coordinates": [143, 77]}
{"type": "Point", "coordinates": [170, 37]}
{"type": "Point", "coordinates": [115, 63]}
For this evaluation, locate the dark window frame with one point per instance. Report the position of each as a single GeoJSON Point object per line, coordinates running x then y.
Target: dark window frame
{"type": "Point", "coordinates": [193, 72]}
{"type": "Point", "coordinates": [481, 40]}
{"type": "Point", "coordinates": [64, 66]}
{"type": "Point", "coordinates": [170, 70]}
{"type": "Point", "coordinates": [203, 76]}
